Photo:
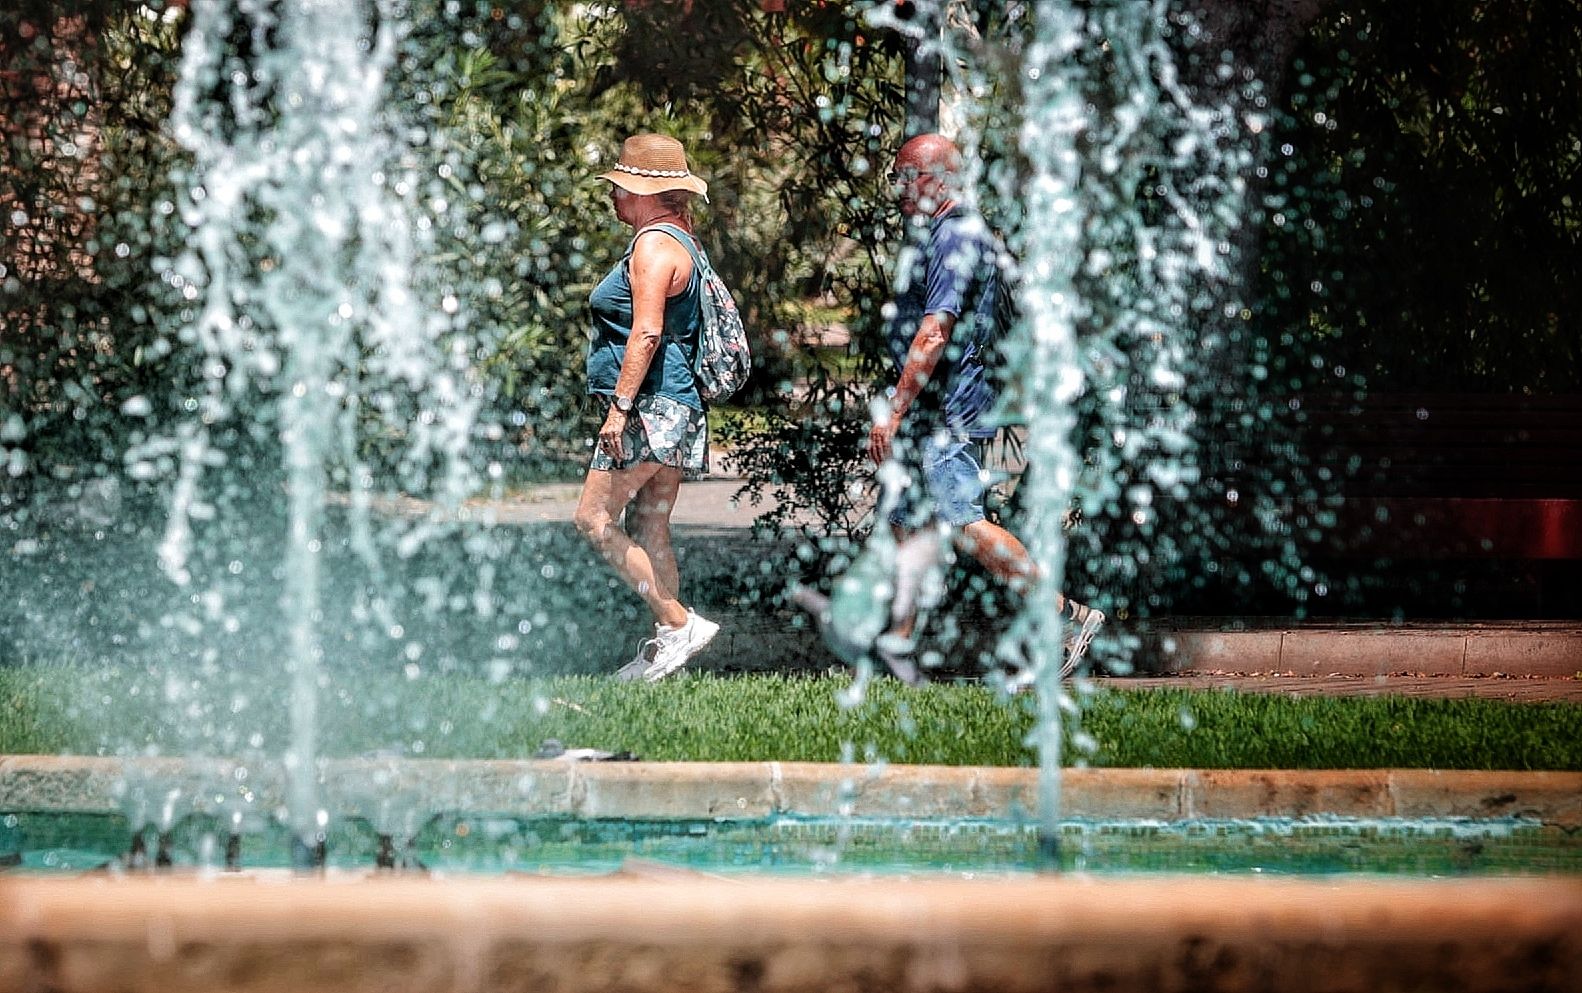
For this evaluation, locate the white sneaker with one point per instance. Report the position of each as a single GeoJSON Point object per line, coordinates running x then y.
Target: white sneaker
{"type": "Point", "coordinates": [898, 654]}
{"type": "Point", "coordinates": [1083, 623]}
{"type": "Point", "coordinates": [644, 658]}
{"type": "Point", "coordinates": [676, 646]}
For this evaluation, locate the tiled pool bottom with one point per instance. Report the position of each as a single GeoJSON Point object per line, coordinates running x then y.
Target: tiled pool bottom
{"type": "Point", "coordinates": [791, 846]}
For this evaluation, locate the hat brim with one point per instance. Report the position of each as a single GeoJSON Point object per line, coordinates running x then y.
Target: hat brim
{"type": "Point", "coordinates": [649, 185]}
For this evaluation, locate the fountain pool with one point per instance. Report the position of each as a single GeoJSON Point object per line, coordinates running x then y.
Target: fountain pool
{"type": "Point", "coordinates": [554, 817]}
{"type": "Point", "coordinates": [770, 877]}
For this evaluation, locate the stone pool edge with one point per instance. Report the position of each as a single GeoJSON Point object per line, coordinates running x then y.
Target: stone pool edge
{"type": "Point", "coordinates": [1074, 934]}
{"type": "Point", "coordinates": [155, 789]}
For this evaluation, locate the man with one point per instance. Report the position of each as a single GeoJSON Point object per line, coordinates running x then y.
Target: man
{"type": "Point", "coordinates": [948, 312]}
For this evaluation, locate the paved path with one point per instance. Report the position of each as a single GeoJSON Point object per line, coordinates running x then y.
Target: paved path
{"type": "Point", "coordinates": [1512, 660]}
{"type": "Point", "coordinates": [707, 502]}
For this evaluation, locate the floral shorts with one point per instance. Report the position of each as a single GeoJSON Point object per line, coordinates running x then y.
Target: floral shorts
{"type": "Point", "coordinates": [660, 430]}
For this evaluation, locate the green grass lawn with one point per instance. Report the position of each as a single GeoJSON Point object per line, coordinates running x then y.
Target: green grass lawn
{"type": "Point", "coordinates": [65, 709]}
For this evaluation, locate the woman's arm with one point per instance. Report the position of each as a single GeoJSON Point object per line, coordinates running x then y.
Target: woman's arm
{"type": "Point", "coordinates": [658, 268]}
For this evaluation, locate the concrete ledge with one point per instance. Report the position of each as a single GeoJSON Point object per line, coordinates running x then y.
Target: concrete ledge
{"type": "Point", "coordinates": [1551, 650]}
{"type": "Point", "coordinates": [174, 935]}
{"type": "Point", "coordinates": [397, 796]}
{"type": "Point", "coordinates": [1534, 653]}
{"type": "Point", "coordinates": [1542, 650]}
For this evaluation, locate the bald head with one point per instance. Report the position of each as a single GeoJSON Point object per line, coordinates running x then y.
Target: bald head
{"type": "Point", "coordinates": [930, 153]}
{"type": "Point", "coordinates": [925, 174]}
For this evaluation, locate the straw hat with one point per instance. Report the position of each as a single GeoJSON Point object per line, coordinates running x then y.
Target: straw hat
{"type": "Point", "coordinates": [654, 163]}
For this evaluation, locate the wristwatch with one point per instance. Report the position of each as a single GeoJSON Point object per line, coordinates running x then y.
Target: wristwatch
{"type": "Point", "coordinates": [623, 404]}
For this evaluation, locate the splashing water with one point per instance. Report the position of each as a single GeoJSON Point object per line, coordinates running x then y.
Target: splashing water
{"type": "Point", "coordinates": [306, 230]}
{"type": "Point", "coordinates": [305, 314]}
{"type": "Point", "coordinates": [1124, 214]}
{"type": "Point", "coordinates": [1129, 217]}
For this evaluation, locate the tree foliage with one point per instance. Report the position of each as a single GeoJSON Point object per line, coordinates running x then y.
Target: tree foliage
{"type": "Point", "coordinates": [1420, 224]}
{"type": "Point", "coordinates": [788, 118]}
{"type": "Point", "coordinates": [798, 116]}
{"type": "Point", "coordinates": [84, 184]}
{"type": "Point", "coordinates": [1425, 213]}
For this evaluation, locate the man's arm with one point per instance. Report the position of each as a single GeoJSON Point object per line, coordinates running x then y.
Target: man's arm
{"type": "Point", "coordinates": [933, 334]}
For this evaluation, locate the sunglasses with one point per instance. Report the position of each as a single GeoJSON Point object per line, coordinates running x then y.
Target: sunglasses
{"type": "Point", "coordinates": [905, 177]}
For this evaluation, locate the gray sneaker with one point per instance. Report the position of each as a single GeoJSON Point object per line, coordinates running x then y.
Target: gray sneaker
{"type": "Point", "coordinates": [633, 670]}
{"type": "Point", "coordinates": [899, 655]}
{"type": "Point", "coordinates": [848, 650]}
{"type": "Point", "coordinates": [676, 646]}
{"type": "Point", "coordinates": [1083, 622]}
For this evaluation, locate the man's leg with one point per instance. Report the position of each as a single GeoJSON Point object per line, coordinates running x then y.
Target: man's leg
{"type": "Point", "coordinates": [947, 475]}
{"type": "Point", "coordinates": [919, 577]}
{"type": "Point", "coordinates": [1000, 552]}
{"type": "Point", "coordinates": [1006, 558]}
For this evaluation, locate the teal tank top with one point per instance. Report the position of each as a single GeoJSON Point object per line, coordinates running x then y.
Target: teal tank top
{"type": "Point", "coordinates": [670, 373]}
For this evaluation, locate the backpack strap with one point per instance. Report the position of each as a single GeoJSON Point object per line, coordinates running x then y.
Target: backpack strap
{"type": "Point", "coordinates": [699, 263]}
{"type": "Point", "coordinates": [693, 249]}
{"type": "Point", "coordinates": [675, 232]}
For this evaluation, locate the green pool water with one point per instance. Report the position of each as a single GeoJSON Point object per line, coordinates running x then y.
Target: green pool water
{"type": "Point", "coordinates": [480, 843]}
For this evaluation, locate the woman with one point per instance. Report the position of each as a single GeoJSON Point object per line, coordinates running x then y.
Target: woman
{"type": "Point", "coordinates": [646, 318]}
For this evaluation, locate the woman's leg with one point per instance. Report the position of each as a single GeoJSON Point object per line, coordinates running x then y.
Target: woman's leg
{"type": "Point", "coordinates": [605, 494]}
{"type": "Point", "coordinates": [648, 523]}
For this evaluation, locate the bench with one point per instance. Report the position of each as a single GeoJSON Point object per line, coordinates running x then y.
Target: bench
{"type": "Point", "coordinates": [1447, 475]}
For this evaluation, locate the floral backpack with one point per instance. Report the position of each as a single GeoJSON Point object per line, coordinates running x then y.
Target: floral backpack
{"type": "Point", "coordinates": [723, 360]}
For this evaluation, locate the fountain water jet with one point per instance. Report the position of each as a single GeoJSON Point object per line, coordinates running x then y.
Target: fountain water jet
{"type": "Point", "coordinates": [306, 299]}
{"type": "Point", "coordinates": [1123, 211]}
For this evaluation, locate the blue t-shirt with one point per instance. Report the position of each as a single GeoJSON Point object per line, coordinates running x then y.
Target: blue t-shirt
{"type": "Point", "coordinates": [670, 372]}
{"type": "Point", "coordinates": [955, 270]}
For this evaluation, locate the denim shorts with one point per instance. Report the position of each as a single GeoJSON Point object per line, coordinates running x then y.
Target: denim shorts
{"type": "Point", "coordinates": [945, 482]}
